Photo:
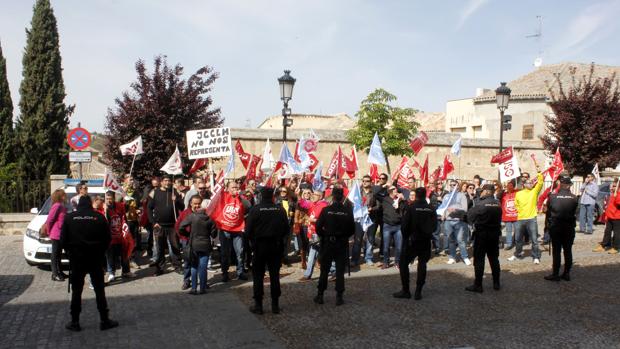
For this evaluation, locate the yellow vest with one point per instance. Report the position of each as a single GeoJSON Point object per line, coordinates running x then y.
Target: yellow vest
{"type": "Point", "coordinates": [526, 199]}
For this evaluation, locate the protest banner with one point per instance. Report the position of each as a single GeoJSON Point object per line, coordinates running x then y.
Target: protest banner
{"type": "Point", "coordinates": [208, 143]}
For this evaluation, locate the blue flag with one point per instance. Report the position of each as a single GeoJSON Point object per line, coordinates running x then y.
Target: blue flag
{"type": "Point", "coordinates": [444, 204]}
{"type": "Point", "coordinates": [317, 181]}
{"type": "Point", "coordinates": [456, 147]}
{"type": "Point", "coordinates": [375, 155]}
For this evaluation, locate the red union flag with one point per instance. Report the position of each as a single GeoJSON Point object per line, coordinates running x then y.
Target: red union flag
{"type": "Point", "coordinates": [447, 168]}
{"type": "Point", "coordinates": [418, 142]}
{"type": "Point", "coordinates": [243, 156]}
{"type": "Point", "coordinates": [503, 156]}
{"type": "Point", "coordinates": [334, 165]}
{"type": "Point", "coordinates": [400, 167]}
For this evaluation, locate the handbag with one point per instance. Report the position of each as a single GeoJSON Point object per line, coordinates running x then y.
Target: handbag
{"type": "Point", "coordinates": [44, 231]}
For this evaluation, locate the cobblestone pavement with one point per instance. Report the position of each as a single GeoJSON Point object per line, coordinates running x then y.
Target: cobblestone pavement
{"type": "Point", "coordinates": [153, 312]}
{"type": "Point", "coordinates": [528, 312]}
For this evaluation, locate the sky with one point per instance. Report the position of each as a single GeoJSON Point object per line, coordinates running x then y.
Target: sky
{"type": "Point", "coordinates": [424, 52]}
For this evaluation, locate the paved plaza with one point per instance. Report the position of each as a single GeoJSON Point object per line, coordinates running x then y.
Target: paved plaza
{"type": "Point", "coordinates": [155, 313]}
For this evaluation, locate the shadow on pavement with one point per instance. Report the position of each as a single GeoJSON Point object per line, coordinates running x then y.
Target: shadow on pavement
{"type": "Point", "coordinates": [528, 312]}
{"type": "Point", "coordinates": [12, 286]}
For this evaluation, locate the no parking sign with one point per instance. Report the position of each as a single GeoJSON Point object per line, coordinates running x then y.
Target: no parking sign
{"type": "Point", "coordinates": [78, 138]}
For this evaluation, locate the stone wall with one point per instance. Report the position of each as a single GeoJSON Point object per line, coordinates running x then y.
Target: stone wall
{"type": "Point", "coordinates": [474, 159]}
{"type": "Point", "coordinates": [14, 223]}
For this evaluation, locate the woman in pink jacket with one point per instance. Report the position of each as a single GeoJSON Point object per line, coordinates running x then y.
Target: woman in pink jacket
{"type": "Point", "coordinates": [54, 221]}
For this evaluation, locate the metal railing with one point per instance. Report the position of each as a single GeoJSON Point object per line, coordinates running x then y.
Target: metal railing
{"type": "Point", "coordinates": [21, 196]}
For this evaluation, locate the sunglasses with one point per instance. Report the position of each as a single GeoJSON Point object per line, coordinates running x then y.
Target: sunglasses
{"type": "Point", "coordinates": [453, 185]}
{"type": "Point", "coordinates": [202, 188]}
{"type": "Point", "coordinates": [383, 178]}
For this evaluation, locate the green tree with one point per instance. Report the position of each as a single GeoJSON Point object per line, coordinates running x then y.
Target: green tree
{"type": "Point", "coordinates": [43, 123]}
{"type": "Point", "coordinates": [395, 125]}
{"type": "Point", "coordinates": [6, 117]}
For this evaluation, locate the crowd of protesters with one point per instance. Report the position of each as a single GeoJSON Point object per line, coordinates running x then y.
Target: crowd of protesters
{"type": "Point", "coordinates": [176, 225]}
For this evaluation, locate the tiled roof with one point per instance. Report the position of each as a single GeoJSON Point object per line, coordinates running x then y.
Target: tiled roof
{"type": "Point", "coordinates": [537, 83]}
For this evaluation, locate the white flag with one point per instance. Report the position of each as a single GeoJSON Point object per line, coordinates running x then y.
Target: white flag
{"type": "Point", "coordinates": [174, 166]}
{"type": "Point", "coordinates": [375, 155]}
{"type": "Point", "coordinates": [597, 175]}
{"type": "Point", "coordinates": [110, 183]}
{"type": "Point", "coordinates": [268, 161]}
{"type": "Point", "coordinates": [132, 148]}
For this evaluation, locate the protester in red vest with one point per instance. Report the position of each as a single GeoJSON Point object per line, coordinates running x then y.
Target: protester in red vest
{"type": "Point", "coordinates": [229, 216]}
{"type": "Point", "coordinates": [115, 214]}
{"type": "Point", "coordinates": [612, 214]}
{"type": "Point", "coordinates": [314, 211]}
{"type": "Point", "coordinates": [509, 213]}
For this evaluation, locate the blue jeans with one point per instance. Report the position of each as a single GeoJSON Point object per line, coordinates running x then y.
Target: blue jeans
{"type": "Point", "coordinates": [312, 257]}
{"type": "Point", "coordinates": [230, 241]}
{"type": "Point", "coordinates": [586, 217]}
{"type": "Point", "coordinates": [510, 229]}
{"type": "Point", "coordinates": [370, 242]}
{"type": "Point", "coordinates": [436, 238]}
{"type": "Point", "coordinates": [457, 232]}
{"type": "Point", "coordinates": [530, 227]}
{"type": "Point", "coordinates": [199, 268]}
{"type": "Point", "coordinates": [358, 238]}
{"type": "Point", "coordinates": [388, 232]}
{"type": "Point", "coordinates": [187, 272]}
{"type": "Point", "coordinates": [113, 254]}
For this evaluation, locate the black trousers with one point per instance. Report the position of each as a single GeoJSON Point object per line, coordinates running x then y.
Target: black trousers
{"type": "Point", "coordinates": [562, 239]}
{"type": "Point", "coordinates": [134, 229]}
{"type": "Point", "coordinates": [612, 225]}
{"type": "Point", "coordinates": [410, 251]}
{"type": "Point", "coordinates": [486, 244]}
{"type": "Point", "coordinates": [56, 257]}
{"type": "Point", "coordinates": [329, 253]}
{"type": "Point", "coordinates": [79, 268]}
{"type": "Point", "coordinates": [267, 255]}
{"type": "Point", "coordinates": [165, 236]}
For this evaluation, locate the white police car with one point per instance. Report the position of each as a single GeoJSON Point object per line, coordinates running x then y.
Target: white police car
{"type": "Point", "coordinates": [38, 250]}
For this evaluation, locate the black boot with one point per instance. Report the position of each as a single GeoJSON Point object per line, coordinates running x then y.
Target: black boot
{"type": "Point", "coordinates": [275, 306]}
{"type": "Point", "coordinates": [402, 294]}
{"type": "Point", "coordinates": [474, 288]}
{"type": "Point", "coordinates": [257, 308]}
{"type": "Point", "coordinates": [318, 299]}
{"type": "Point", "coordinates": [106, 323]}
{"type": "Point", "coordinates": [418, 293]}
{"type": "Point", "coordinates": [552, 277]}
{"type": "Point", "coordinates": [566, 275]}
{"type": "Point", "coordinates": [339, 299]}
{"type": "Point", "coordinates": [496, 285]}
{"type": "Point", "coordinates": [74, 324]}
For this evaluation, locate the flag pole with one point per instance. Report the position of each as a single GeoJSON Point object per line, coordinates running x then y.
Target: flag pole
{"type": "Point", "coordinates": [132, 162]}
{"type": "Point", "coordinates": [210, 173]}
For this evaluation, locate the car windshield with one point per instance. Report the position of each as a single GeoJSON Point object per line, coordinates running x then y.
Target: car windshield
{"type": "Point", "coordinates": [48, 203]}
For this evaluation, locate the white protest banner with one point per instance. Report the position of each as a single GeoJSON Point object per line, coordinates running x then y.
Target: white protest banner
{"type": "Point", "coordinates": [208, 143]}
{"type": "Point", "coordinates": [509, 169]}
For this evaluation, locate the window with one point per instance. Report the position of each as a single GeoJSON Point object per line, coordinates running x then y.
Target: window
{"type": "Point", "coordinates": [528, 132]}
{"type": "Point", "coordinates": [458, 130]}
{"type": "Point", "coordinates": [477, 131]}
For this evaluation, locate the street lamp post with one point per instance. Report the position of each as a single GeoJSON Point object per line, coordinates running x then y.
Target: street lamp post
{"type": "Point", "coordinates": [286, 82]}
{"type": "Point", "coordinates": [502, 93]}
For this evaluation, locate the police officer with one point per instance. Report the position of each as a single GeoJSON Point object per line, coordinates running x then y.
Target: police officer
{"type": "Point", "coordinates": [86, 236]}
{"type": "Point", "coordinates": [561, 208]}
{"type": "Point", "coordinates": [266, 228]}
{"type": "Point", "coordinates": [486, 216]}
{"type": "Point", "coordinates": [419, 223]}
{"type": "Point", "coordinates": [334, 227]}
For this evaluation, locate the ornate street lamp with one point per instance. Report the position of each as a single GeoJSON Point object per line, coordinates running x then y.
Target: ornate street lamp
{"type": "Point", "coordinates": [502, 93]}
{"type": "Point", "coordinates": [286, 93]}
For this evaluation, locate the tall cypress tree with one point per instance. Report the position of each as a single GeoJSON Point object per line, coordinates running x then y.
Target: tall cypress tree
{"type": "Point", "coordinates": [43, 123]}
{"type": "Point", "coordinates": [6, 117]}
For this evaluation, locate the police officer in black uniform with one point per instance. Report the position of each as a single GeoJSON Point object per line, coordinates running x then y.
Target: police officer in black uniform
{"type": "Point", "coordinates": [561, 208]}
{"type": "Point", "coordinates": [334, 227]}
{"type": "Point", "coordinates": [486, 216]}
{"type": "Point", "coordinates": [266, 228]}
{"type": "Point", "coordinates": [86, 237]}
{"type": "Point", "coordinates": [419, 223]}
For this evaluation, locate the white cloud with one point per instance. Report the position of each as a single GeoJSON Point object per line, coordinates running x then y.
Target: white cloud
{"type": "Point", "coordinates": [471, 8]}
{"type": "Point", "coordinates": [592, 25]}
